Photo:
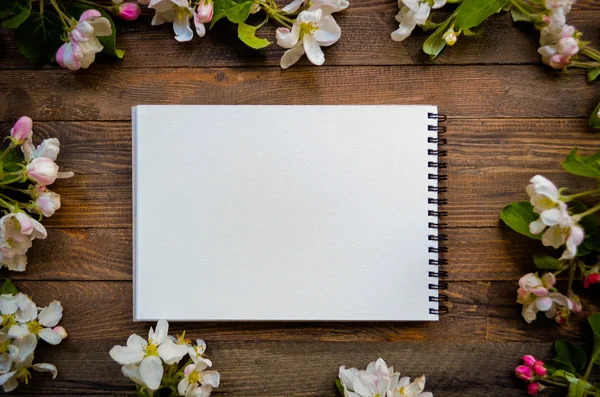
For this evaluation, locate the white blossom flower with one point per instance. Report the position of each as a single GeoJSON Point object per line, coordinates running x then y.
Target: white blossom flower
{"type": "Point", "coordinates": [83, 45]}
{"type": "Point", "coordinates": [196, 352]}
{"type": "Point", "coordinates": [196, 381]}
{"type": "Point", "coordinates": [558, 42]}
{"type": "Point", "coordinates": [411, 14]}
{"type": "Point", "coordinates": [328, 6]}
{"type": "Point", "coordinates": [21, 357]}
{"type": "Point", "coordinates": [404, 388]}
{"type": "Point", "coordinates": [29, 322]}
{"type": "Point", "coordinates": [311, 30]}
{"type": "Point", "coordinates": [149, 354]}
{"type": "Point", "coordinates": [562, 230]}
{"type": "Point", "coordinates": [376, 380]}
{"type": "Point", "coordinates": [179, 13]}
{"type": "Point", "coordinates": [543, 194]}
{"type": "Point", "coordinates": [17, 232]}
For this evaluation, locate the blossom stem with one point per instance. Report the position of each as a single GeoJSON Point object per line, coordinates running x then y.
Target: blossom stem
{"type": "Point", "coordinates": [519, 6]}
{"type": "Point", "coordinates": [91, 3]}
{"type": "Point", "coordinates": [576, 218]}
{"type": "Point", "coordinates": [553, 382]}
{"type": "Point", "coordinates": [24, 191]}
{"type": "Point", "coordinates": [570, 197]}
{"type": "Point", "coordinates": [7, 150]}
{"type": "Point", "coordinates": [572, 269]}
{"type": "Point", "coordinates": [590, 53]}
{"type": "Point", "coordinates": [65, 18]}
{"type": "Point", "coordinates": [41, 6]}
{"type": "Point", "coordinates": [6, 205]}
{"type": "Point", "coordinates": [12, 180]}
{"type": "Point", "coordinates": [272, 12]}
{"type": "Point", "coordinates": [584, 65]}
{"type": "Point", "coordinates": [590, 366]}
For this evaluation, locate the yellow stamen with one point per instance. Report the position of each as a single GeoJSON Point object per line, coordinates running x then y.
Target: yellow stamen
{"type": "Point", "coordinates": [8, 320]}
{"type": "Point", "coordinates": [34, 327]}
{"type": "Point", "coordinates": [182, 12]}
{"type": "Point", "coordinates": [23, 375]}
{"type": "Point", "coordinates": [151, 349]}
{"type": "Point", "coordinates": [308, 27]}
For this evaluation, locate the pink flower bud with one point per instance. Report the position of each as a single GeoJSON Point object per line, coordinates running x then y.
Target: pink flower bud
{"type": "Point", "coordinates": [61, 331]}
{"type": "Point", "coordinates": [48, 202]}
{"type": "Point", "coordinates": [204, 13]}
{"type": "Point", "coordinates": [129, 11]}
{"type": "Point", "coordinates": [539, 368]}
{"type": "Point", "coordinates": [567, 47]}
{"type": "Point", "coordinates": [557, 61]}
{"type": "Point", "coordinates": [22, 129]}
{"type": "Point", "coordinates": [592, 278]}
{"type": "Point", "coordinates": [523, 372]}
{"type": "Point", "coordinates": [529, 360]}
{"type": "Point", "coordinates": [42, 170]}
{"type": "Point", "coordinates": [534, 388]}
{"type": "Point", "coordinates": [89, 14]}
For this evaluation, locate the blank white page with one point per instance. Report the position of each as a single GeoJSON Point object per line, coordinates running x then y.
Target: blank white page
{"type": "Point", "coordinates": [282, 213]}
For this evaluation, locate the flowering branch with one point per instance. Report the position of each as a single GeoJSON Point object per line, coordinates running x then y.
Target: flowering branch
{"type": "Point", "coordinates": [561, 46]}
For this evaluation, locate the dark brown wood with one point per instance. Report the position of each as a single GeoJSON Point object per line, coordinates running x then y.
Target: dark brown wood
{"type": "Point", "coordinates": [476, 91]}
{"type": "Point", "coordinates": [511, 118]}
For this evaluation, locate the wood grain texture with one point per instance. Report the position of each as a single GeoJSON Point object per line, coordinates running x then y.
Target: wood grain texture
{"type": "Point", "coordinates": [95, 94]}
{"type": "Point", "coordinates": [511, 118]}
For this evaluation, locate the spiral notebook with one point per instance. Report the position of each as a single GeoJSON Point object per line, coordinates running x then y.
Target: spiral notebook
{"type": "Point", "coordinates": [288, 213]}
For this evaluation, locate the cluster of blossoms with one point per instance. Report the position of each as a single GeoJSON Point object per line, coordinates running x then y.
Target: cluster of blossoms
{"type": "Point", "coordinates": [531, 371]}
{"type": "Point", "coordinates": [379, 380]}
{"type": "Point", "coordinates": [558, 41]}
{"type": "Point", "coordinates": [24, 192]}
{"type": "Point", "coordinates": [154, 363]}
{"type": "Point", "coordinates": [538, 294]}
{"type": "Point", "coordinates": [23, 324]}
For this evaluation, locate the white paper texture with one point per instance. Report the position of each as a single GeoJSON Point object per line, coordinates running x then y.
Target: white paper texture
{"type": "Point", "coordinates": [282, 213]}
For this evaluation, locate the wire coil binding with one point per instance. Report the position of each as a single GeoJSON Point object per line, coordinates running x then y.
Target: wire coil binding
{"type": "Point", "coordinates": [437, 237]}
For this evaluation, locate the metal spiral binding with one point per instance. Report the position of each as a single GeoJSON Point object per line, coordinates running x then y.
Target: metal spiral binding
{"type": "Point", "coordinates": [438, 238]}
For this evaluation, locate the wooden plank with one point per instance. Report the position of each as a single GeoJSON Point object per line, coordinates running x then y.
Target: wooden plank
{"type": "Point", "coordinates": [102, 310]}
{"type": "Point", "coordinates": [309, 369]}
{"type": "Point", "coordinates": [510, 91]}
{"type": "Point", "coordinates": [366, 28]}
{"type": "Point", "coordinates": [475, 254]}
{"type": "Point", "coordinates": [475, 145]}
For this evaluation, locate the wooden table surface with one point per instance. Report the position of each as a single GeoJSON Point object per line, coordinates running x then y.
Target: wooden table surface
{"type": "Point", "coordinates": [510, 118]}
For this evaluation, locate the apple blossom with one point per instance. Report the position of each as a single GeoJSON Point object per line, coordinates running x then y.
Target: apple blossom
{"type": "Point", "coordinates": [17, 232]}
{"type": "Point", "coordinates": [197, 381]}
{"type": "Point", "coordinates": [404, 388]}
{"type": "Point", "coordinates": [534, 388]}
{"type": "Point", "coordinates": [562, 230]}
{"type": "Point", "coordinates": [48, 202]}
{"type": "Point", "coordinates": [592, 276]}
{"type": "Point", "coordinates": [311, 30]}
{"type": "Point", "coordinates": [48, 148]}
{"type": "Point", "coordinates": [204, 12]}
{"type": "Point", "coordinates": [537, 294]}
{"type": "Point", "coordinates": [149, 354]}
{"type": "Point", "coordinates": [22, 129]}
{"type": "Point", "coordinates": [529, 360]}
{"type": "Point", "coordinates": [377, 379]}
{"type": "Point", "coordinates": [543, 194]}
{"type": "Point", "coordinates": [179, 13]}
{"type": "Point", "coordinates": [42, 170]}
{"type": "Point", "coordinates": [411, 14]}
{"type": "Point", "coordinates": [82, 43]}
{"type": "Point", "coordinates": [328, 6]}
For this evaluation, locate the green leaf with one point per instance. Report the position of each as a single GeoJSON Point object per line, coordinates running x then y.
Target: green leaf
{"type": "Point", "coordinates": [594, 321]}
{"type": "Point", "coordinates": [240, 12]}
{"type": "Point", "coordinates": [590, 222]}
{"type": "Point", "coordinates": [235, 10]}
{"type": "Point", "coordinates": [588, 166]}
{"type": "Point", "coordinates": [518, 216]}
{"type": "Point", "coordinates": [547, 262]}
{"type": "Point", "coordinates": [473, 12]}
{"type": "Point", "coordinates": [568, 352]}
{"type": "Point", "coordinates": [14, 12]}
{"type": "Point", "coordinates": [592, 242]}
{"type": "Point", "coordinates": [38, 37]}
{"type": "Point", "coordinates": [559, 368]}
{"type": "Point", "coordinates": [435, 43]}
{"type": "Point", "coordinates": [592, 74]}
{"type": "Point", "coordinates": [339, 386]}
{"type": "Point", "coordinates": [247, 33]}
{"type": "Point", "coordinates": [594, 119]}
{"type": "Point", "coordinates": [108, 42]}
{"type": "Point", "coordinates": [576, 388]}
{"type": "Point", "coordinates": [519, 16]}
{"type": "Point", "coordinates": [8, 288]}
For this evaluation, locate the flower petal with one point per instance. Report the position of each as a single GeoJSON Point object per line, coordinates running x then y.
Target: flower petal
{"type": "Point", "coordinates": [543, 304]}
{"type": "Point", "coordinates": [211, 378]}
{"type": "Point", "coordinates": [182, 29]}
{"type": "Point", "coordinates": [170, 352]}
{"type": "Point", "coordinates": [553, 237]}
{"type": "Point", "coordinates": [51, 315]}
{"type": "Point", "coordinates": [51, 337]}
{"type": "Point", "coordinates": [293, 6]}
{"type": "Point", "coordinates": [313, 50]}
{"type": "Point", "coordinates": [151, 371]}
{"type": "Point", "coordinates": [18, 331]}
{"type": "Point", "coordinates": [126, 355]}
{"type": "Point", "coordinates": [286, 38]}
{"type": "Point", "coordinates": [329, 32]}
{"type": "Point", "coordinates": [45, 367]}
{"type": "Point", "coordinates": [292, 56]}
{"type": "Point", "coordinates": [8, 304]}
{"type": "Point", "coordinates": [132, 371]}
